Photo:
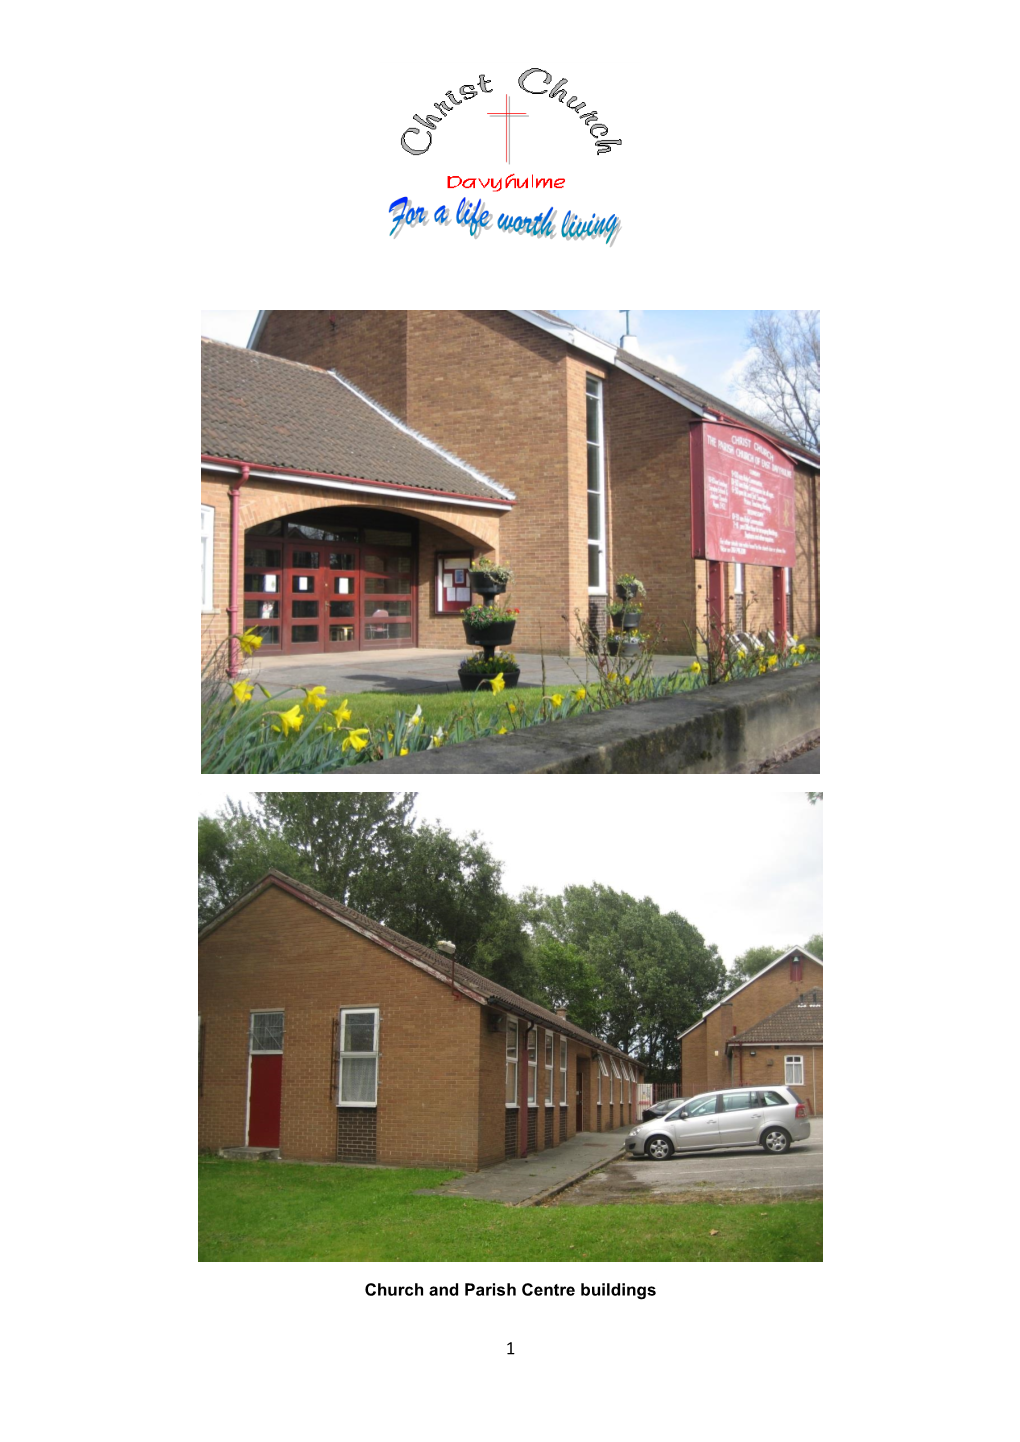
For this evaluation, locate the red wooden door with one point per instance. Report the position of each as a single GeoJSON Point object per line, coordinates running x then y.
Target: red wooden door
{"type": "Point", "coordinates": [342, 594]}
{"type": "Point", "coordinates": [304, 599]}
{"type": "Point", "coordinates": [264, 1107]}
{"type": "Point", "coordinates": [579, 1124]}
{"type": "Point", "coordinates": [263, 591]}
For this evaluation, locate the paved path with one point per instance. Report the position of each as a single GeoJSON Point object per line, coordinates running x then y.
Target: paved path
{"type": "Point", "coordinates": [700, 1176]}
{"type": "Point", "coordinates": [807, 763]}
{"type": "Point", "coordinates": [417, 670]}
{"type": "Point", "coordinates": [521, 1181]}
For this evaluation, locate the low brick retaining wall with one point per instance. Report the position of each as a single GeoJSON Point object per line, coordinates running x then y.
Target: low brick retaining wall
{"type": "Point", "coordinates": [730, 728]}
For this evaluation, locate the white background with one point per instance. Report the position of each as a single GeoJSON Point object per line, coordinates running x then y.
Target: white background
{"type": "Point", "coordinates": [774, 156]}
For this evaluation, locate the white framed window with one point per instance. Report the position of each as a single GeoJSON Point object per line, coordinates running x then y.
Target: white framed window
{"type": "Point", "coordinates": [266, 1033]}
{"type": "Point", "coordinates": [738, 578]}
{"type": "Point", "coordinates": [563, 1071]}
{"type": "Point", "coordinates": [358, 1057]}
{"type": "Point", "coordinates": [603, 1071]}
{"type": "Point", "coordinates": [208, 522]}
{"type": "Point", "coordinates": [549, 1094]}
{"type": "Point", "coordinates": [511, 1062]}
{"type": "Point", "coordinates": [596, 488]}
{"type": "Point", "coordinates": [794, 1071]}
{"type": "Point", "coordinates": [533, 1066]}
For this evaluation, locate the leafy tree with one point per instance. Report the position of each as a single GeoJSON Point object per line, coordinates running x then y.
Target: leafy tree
{"type": "Point", "coordinates": [756, 959]}
{"type": "Point", "coordinates": [814, 945]}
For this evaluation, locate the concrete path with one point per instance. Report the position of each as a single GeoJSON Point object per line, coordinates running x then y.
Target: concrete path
{"type": "Point", "coordinates": [417, 670]}
{"type": "Point", "coordinates": [808, 763]}
{"type": "Point", "coordinates": [747, 1172]}
{"type": "Point", "coordinates": [523, 1182]}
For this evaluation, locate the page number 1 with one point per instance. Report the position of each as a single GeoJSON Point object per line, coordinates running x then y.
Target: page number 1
{"type": "Point", "coordinates": [510, 1350]}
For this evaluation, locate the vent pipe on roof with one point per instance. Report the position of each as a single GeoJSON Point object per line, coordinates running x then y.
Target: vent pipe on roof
{"type": "Point", "coordinates": [627, 341]}
{"type": "Point", "coordinates": [562, 1011]}
{"type": "Point", "coordinates": [446, 947]}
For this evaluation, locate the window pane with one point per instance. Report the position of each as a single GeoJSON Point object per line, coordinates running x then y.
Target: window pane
{"type": "Point", "coordinates": [359, 1031]}
{"type": "Point", "coordinates": [739, 1103]}
{"type": "Point", "coordinates": [391, 608]}
{"type": "Point", "coordinates": [593, 419]}
{"type": "Point", "coordinates": [305, 608]}
{"type": "Point", "coordinates": [342, 561]}
{"type": "Point", "coordinates": [511, 1081]}
{"type": "Point", "coordinates": [702, 1108]}
{"type": "Point", "coordinates": [304, 633]}
{"type": "Point", "coordinates": [773, 1099]}
{"type": "Point", "coordinates": [261, 610]}
{"type": "Point", "coordinates": [302, 583]}
{"type": "Point", "coordinates": [594, 478]}
{"type": "Point", "coordinates": [591, 385]}
{"type": "Point", "coordinates": [343, 585]}
{"type": "Point", "coordinates": [255, 582]}
{"type": "Point", "coordinates": [387, 630]}
{"type": "Point", "coordinates": [594, 518]}
{"type": "Point", "coordinates": [267, 1031]}
{"type": "Point", "coordinates": [357, 1079]}
{"type": "Point", "coordinates": [270, 635]}
{"type": "Point", "coordinates": [341, 633]}
{"type": "Point", "coordinates": [341, 608]}
{"type": "Point", "coordinates": [594, 569]}
{"type": "Point", "coordinates": [262, 558]}
{"type": "Point", "coordinates": [306, 558]}
{"type": "Point", "coordinates": [386, 586]}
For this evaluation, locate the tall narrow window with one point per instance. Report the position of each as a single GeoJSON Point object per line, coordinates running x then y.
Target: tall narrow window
{"type": "Point", "coordinates": [789, 598]}
{"type": "Point", "coordinates": [796, 969]}
{"type": "Point", "coordinates": [563, 1071]}
{"type": "Point", "coordinates": [208, 520]}
{"type": "Point", "coordinates": [596, 489]}
{"type": "Point", "coordinates": [359, 1057]}
{"type": "Point", "coordinates": [794, 1071]}
{"type": "Point", "coordinates": [533, 1066]}
{"type": "Point", "coordinates": [739, 611]}
{"type": "Point", "coordinates": [603, 1071]}
{"type": "Point", "coordinates": [549, 1094]}
{"type": "Point", "coordinates": [511, 1062]}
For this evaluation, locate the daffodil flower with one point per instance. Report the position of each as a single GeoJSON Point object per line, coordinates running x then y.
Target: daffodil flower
{"type": "Point", "coordinates": [626, 680]}
{"type": "Point", "coordinates": [389, 735]}
{"type": "Point", "coordinates": [356, 738]}
{"type": "Point", "coordinates": [557, 700]}
{"type": "Point", "coordinates": [511, 708]}
{"type": "Point", "coordinates": [501, 731]}
{"type": "Point", "coordinates": [290, 720]}
{"type": "Point", "coordinates": [438, 738]}
{"type": "Point", "coordinates": [695, 668]}
{"type": "Point", "coordinates": [242, 692]}
{"type": "Point", "coordinates": [773, 660]}
{"type": "Point", "coordinates": [580, 693]}
{"type": "Point", "coordinates": [414, 721]}
{"type": "Point", "coordinates": [403, 750]}
{"type": "Point", "coordinates": [315, 696]}
{"type": "Point", "coordinates": [497, 683]}
{"type": "Point", "coordinates": [800, 650]}
{"type": "Point", "coordinates": [796, 663]}
{"type": "Point", "coordinates": [250, 641]}
{"type": "Point", "coordinates": [611, 676]}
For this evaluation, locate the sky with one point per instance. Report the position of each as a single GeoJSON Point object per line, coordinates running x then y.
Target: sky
{"type": "Point", "coordinates": [745, 869]}
{"type": "Point", "coordinates": [707, 347]}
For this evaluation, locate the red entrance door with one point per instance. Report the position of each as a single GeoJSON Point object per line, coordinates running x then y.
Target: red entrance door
{"type": "Point", "coordinates": [265, 1088]}
{"type": "Point", "coordinates": [579, 1100]}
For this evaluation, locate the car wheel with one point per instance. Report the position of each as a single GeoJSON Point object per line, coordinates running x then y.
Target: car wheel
{"type": "Point", "coordinates": [660, 1149]}
{"type": "Point", "coordinates": [776, 1141]}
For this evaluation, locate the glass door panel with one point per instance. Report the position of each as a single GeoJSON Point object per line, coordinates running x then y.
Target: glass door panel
{"type": "Point", "coordinates": [387, 605]}
{"type": "Point", "coordinates": [340, 575]}
{"type": "Point", "coordinates": [262, 593]}
{"type": "Point", "coordinates": [303, 601]}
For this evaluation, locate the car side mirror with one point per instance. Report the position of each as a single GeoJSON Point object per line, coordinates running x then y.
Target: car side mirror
{"type": "Point", "coordinates": [683, 1115]}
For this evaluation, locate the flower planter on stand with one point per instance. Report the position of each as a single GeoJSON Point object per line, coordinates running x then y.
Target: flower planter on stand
{"type": "Point", "coordinates": [470, 682]}
{"type": "Point", "coordinates": [499, 633]}
{"type": "Point", "coordinates": [486, 585]}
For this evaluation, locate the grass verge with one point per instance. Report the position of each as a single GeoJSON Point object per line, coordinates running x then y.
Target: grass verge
{"type": "Point", "coordinates": [274, 1212]}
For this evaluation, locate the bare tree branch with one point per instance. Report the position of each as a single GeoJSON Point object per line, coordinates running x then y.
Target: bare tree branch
{"type": "Point", "coordinates": [783, 374]}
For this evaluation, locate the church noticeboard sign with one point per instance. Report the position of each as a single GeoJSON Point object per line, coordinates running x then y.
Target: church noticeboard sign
{"type": "Point", "coordinates": [742, 492]}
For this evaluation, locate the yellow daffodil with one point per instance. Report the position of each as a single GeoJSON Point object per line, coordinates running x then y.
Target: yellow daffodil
{"type": "Point", "coordinates": [389, 735]}
{"type": "Point", "coordinates": [497, 683]}
{"type": "Point", "coordinates": [557, 700]}
{"type": "Point", "coordinates": [796, 663]}
{"type": "Point", "coordinates": [511, 708]}
{"type": "Point", "coordinates": [356, 739]}
{"type": "Point", "coordinates": [580, 693]}
{"type": "Point", "coordinates": [438, 738]}
{"type": "Point", "coordinates": [611, 676]}
{"type": "Point", "coordinates": [250, 641]}
{"type": "Point", "coordinates": [414, 721]}
{"type": "Point", "coordinates": [315, 697]}
{"type": "Point", "coordinates": [761, 669]}
{"type": "Point", "coordinates": [290, 720]}
{"type": "Point", "coordinates": [773, 660]}
{"type": "Point", "coordinates": [501, 731]}
{"type": "Point", "coordinates": [626, 680]}
{"type": "Point", "coordinates": [242, 692]}
{"type": "Point", "coordinates": [695, 668]}
{"type": "Point", "coordinates": [800, 650]}
{"type": "Point", "coordinates": [342, 713]}
{"type": "Point", "coordinates": [403, 750]}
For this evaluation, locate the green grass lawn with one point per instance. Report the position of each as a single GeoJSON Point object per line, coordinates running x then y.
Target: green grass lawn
{"type": "Point", "coordinates": [272, 1212]}
{"type": "Point", "coordinates": [372, 708]}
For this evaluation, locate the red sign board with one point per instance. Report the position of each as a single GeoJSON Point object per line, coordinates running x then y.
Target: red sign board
{"type": "Point", "coordinates": [742, 491]}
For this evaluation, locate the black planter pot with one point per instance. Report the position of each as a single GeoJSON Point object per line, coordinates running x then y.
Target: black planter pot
{"type": "Point", "coordinates": [623, 646]}
{"type": "Point", "coordinates": [628, 621]}
{"type": "Point", "coordinates": [486, 585]}
{"type": "Point", "coordinates": [627, 592]}
{"type": "Point", "coordinates": [500, 633]}
{"type": "Point", "coordinates": [469, 682]}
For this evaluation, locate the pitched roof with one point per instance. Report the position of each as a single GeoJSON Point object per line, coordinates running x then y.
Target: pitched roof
{"type": "Point", "coordinates": [470, 983]}
{"type": "Point", "coordinates": [794, 951]}
{"type": "Point", "coordinates": [272, 412]}
{"type": "Point", "coordinates": [799, 1021]}
{"type": "Point", "coordinates": [683, 390]}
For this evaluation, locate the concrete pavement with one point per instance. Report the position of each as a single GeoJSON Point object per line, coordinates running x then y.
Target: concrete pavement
{"type": "Point", "coordinates": [525, 1182]}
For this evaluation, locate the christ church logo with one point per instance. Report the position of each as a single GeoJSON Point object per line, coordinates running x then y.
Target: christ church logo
{"type": "Point", "coordinates": [534, 82]}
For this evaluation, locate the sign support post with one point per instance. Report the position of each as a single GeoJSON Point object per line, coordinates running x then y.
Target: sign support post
{"type": "Point", "coordinates": [716, 608]}
{"type": "Point", "coordinates": [779, 617]}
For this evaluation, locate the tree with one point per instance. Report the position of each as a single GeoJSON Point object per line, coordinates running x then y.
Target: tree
{"type": "Point", "coordinates": [814, 945]}
{"type": "Point", "coordinates": [783, 373]}
{"type": "Point", "coordinates": [756, 959]}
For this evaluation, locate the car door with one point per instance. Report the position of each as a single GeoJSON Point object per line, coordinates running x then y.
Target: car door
{"type": "Point", "coordinates": [737, 1123]}
{"type": "Point", "coordinates": [699, 1127]}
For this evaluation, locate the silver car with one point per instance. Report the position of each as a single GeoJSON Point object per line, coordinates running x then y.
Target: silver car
{"type": "Point", "coordinates": [770, 1117]}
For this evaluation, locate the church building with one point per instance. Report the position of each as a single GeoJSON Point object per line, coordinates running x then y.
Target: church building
{"type": "Point", "coordinates": [354, 463]}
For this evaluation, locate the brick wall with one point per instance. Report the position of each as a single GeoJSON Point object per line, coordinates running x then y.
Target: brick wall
{"type": "Point", "coordinates": [369, 347]}
{"type": "Point", "coordinates": [703, 1051]}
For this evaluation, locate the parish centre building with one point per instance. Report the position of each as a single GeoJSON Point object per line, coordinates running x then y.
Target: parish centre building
{"type": "Point", "coordinates": [355, 463]}
{"type": "Point", "coordinates": [324, 1036]}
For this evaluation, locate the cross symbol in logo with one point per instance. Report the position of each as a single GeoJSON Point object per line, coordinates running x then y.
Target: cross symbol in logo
{"type": "Point", "coordinates": [507, 115]}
